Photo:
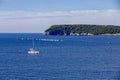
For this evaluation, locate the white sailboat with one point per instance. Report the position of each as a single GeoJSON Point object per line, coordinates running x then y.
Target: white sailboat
{"type": "Point", "coordinates": [32, 50]}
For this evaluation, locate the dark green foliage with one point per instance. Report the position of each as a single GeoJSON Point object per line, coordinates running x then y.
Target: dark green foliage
{"type": "Point", "coordinates": [80, 28]}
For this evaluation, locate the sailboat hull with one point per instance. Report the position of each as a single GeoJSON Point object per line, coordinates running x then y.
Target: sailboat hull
{"type": "Point", "coordinates": [33, 52]}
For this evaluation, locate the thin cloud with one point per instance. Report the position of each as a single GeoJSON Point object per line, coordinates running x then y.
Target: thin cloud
{"type": "Point", "coordinates": [73, 13]}
{"type": "Point", "coordinates": [39, 21]}
{"type": "Point", "coordinates": [25, 14]}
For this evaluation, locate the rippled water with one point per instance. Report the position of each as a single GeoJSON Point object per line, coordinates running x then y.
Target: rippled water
{"type": "Point", "coordinates": [60, 58]}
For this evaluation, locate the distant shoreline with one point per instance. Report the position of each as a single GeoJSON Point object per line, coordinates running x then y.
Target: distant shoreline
{"type": "Point", "coordinates": [118, 34]}
{"type": "Point", "coordinates": [83, 30]}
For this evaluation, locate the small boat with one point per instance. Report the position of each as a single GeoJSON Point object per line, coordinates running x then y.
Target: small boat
{"type": "Point", "coordinates": [32, 50]}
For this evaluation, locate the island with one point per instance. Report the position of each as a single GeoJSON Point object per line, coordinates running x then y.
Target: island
{"type": "Point", "coordinates": [82, 30]}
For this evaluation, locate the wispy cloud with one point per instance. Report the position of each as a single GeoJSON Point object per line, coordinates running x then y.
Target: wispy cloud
{"type": "Point", "coordinates": [39, 21]}
{"type": "Point", "coordinates": [28, 14]}
{"type": "Point", "coordinates": [72, 13]}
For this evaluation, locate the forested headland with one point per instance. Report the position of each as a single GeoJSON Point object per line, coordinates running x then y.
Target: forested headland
{"type": "Point", "coordinates": [82, 29]}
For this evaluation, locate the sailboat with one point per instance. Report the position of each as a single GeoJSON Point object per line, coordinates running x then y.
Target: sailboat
{"type": "Point", "coordinates": [32, 50]}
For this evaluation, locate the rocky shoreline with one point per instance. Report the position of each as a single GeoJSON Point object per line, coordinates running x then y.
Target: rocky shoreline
{"type": "Point", "coordinates": [84, 34]}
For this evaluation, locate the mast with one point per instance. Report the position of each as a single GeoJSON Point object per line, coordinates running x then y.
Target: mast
{"type": "Point", "coordinates": [33, 43]}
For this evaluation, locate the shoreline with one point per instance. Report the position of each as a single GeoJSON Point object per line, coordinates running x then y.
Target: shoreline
{"type": "Point", "coordinates": [117, 34]}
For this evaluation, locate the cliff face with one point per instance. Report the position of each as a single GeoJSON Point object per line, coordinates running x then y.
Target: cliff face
{"type": "Point", "coordinates": [81, 29]}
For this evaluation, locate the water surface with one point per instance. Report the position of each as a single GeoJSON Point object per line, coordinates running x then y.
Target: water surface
{"type": "Point", "coordinates": [60, 58]}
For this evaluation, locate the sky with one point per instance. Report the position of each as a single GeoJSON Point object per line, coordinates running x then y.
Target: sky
{"type": "Point", "coordinates": [35, 16]}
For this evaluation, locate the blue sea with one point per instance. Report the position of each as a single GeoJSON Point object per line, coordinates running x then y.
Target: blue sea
{"type": "Point", "coordinates": [60, 57]}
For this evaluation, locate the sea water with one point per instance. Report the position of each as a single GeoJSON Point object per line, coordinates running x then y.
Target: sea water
{"type": "Point", "coordinates": [60, 57]}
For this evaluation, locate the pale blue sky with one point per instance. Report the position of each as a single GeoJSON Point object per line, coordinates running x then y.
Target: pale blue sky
{"type": "Point", "coordinates": [38, 15]}
{"type": "Point", "coordinates": [53, 5]}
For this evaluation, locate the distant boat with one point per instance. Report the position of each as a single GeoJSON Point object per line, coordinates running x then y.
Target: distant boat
{"type": "Point", "coordinates": [32, 50]}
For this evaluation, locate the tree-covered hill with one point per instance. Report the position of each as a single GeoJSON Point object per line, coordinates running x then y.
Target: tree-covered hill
{"type": "Point", "coordinates": [82, 29]}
